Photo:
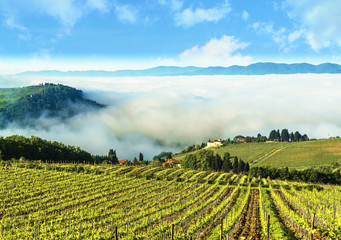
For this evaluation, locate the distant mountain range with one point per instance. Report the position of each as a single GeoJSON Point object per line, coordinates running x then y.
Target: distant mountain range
{"type": "Point", "coordinates": [253, 69]}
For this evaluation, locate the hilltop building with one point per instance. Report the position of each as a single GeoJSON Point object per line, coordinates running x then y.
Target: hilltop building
{"type": "Point", "coordinates": [215, 143]}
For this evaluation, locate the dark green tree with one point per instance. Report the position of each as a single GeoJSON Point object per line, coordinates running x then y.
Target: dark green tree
{"type": "Point", "coordinates": [112, 156]}
{"type": "Point", "coordinates": [219, 162]}
{"type": "Point", "coordinates": [241, 166]}
{"type": "Point", "coordinates": [227, 156]}
{"type": "Point", "coordinates": [278, 135]}
{"type": "Point", "coordinates": [305, 137]}
{"type": "Point", "coordinates": [227, 165]}
{"type": "Point", "coordinates": [291, 136]}
{"type": "Point", "coordinates": [272, 135]}
{"type": "Point", "coordinates": [247, 167]}
{"type": "Point", "coordinates": [285, 135]}
{"type": "Point", "coordinates": [141, 157]}
{"type": "Point", "coordinates": [190, 161]}
{"type": "Point", "coordinates": [297, 136]}
{"type": "Point", "coordinates": [135, 162]}
{"type": "Point", "coordinates": [235, 165]}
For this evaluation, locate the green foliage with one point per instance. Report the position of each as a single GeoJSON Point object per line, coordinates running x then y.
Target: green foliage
{"type": "Point", "coordinates": [135, 162]}
{"type": "Point", "coordinates": [207, 160]}
{"type": "Point", "coordinates": [285, 135]}
{"type": "Point", "coordinates": [35, 148]}
{"type": "Point", "coordinates": [306, 175]}
{"type": "Point", "coordinates": [161, 155]}
{"type": "Point", "coordinates": [23, 104]}
{"type": "Point", "coordinates": [112, 156]}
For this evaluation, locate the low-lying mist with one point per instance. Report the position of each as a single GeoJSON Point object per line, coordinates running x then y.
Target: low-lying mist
{"type": "Point", "coordinates": [154, 114]}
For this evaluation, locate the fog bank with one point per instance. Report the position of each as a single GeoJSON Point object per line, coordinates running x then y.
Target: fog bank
{"type": "Point", "coordinates": [154, 114]}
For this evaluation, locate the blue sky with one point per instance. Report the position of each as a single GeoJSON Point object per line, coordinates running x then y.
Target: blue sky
{"type": "Point", "coordinates": [127, 34]}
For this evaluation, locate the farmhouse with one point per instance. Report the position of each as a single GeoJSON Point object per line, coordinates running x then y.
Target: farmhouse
{"type": "Point", "coordinates": [215, 143]}
{"type": "Point", "coordinates": [172, 162]}
{"type": "Point", "coordinates": [122, 162]}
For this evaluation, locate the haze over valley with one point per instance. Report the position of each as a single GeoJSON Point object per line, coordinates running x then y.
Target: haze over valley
{"type": "Point", "coordinates": [154, 114]}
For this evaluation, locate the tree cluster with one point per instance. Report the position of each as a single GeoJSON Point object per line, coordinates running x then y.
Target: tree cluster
{"type": "Point", "coordinates": [285, 136]}
{"type": "Point", "coordinates": [193, 148]}
{"type": "Point", "coordinates": [162, 155]}
{"type": "Point", "coordinates": [207, 160]}
{"type": "Point", "coordinates": [35, 148]}
{"type": "Point", "coordinates": [307, 175]}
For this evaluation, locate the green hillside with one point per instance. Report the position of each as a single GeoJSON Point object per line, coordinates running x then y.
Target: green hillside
{"type": "Point", "coordinates": [21, 104]}
{"type": "Point", "coordinates": [298, 155]}
{"type": "Point", "coordinates": [306, 154]}
{"type": "Point", "coordinates": [248, 152]}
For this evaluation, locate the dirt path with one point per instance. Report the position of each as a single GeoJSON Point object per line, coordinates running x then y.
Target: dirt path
{"type": "Point", "coordinates": [270, 155]}
{"type": "Point", "coordinates": [250, 225]}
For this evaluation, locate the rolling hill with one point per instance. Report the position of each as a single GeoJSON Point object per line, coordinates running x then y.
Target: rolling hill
{"type": "Point", "coordinates": [301, 155]}
{"type": "Point", "coordinates": [22, 105]}
{"type": "Point", "coordinates": [262, 68]}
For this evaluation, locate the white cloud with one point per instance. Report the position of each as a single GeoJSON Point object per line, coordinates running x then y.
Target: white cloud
{"type": "Point", "coordinates": [280, 36]}
{"type": "Point", "coordinates": [245, 15]}
{"type": "Point", "coordinates": [11, 23]}
{"type": "Point", "coordinates": [175, 5]}
{"type": "Point", "coordinates": [217, 52]}
{"type": "Point", "coordinates": [295, 35]}
{"type": "Point", "coordinates": [126, 13]}
{"type": "Point", "coordinates": [100, 5]}
{"type": "Point", "coordinates": [189, 17]}
{"type": "Point", "coordinates": [319, 21]}
{"type": "Point", "coordinates": [67, 12]}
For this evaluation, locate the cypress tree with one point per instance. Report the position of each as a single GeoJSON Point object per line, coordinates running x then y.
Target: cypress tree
{"type": "Point", "coordinates": [247, 167]}
{"type": "Point", "coordinates": [241, 166]}
{"type": "Point", "coordinates": [285, 135]}
{"type": "Point", "coordinates": [235, 165]}
{"type": "Point", "coordinates": [227, 165]}
{"type": "Point", "coordinates": [112, 156]}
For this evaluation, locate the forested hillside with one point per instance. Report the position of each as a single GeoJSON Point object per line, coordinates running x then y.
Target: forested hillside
{"type": "Point", "coordinates": [35, 148]}
{"type": "Point", "coordinates": [22, 105]}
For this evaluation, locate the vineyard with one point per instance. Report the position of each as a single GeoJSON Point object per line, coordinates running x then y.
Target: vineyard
{"type": "Point", "coordinates": [66, 201]}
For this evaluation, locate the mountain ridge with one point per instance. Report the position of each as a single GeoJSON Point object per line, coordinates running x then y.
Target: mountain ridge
{"type": "Point", "coordinates": [260, 68]}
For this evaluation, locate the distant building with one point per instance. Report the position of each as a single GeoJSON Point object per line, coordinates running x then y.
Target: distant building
{"type": "Point", "coordinates": [122, 162]}
{"type": "Point", "coordinates": [215, 143]}
{"type": "Point", "coordinates": [172, 162]}
{"type": "Point", "coordinates": [238, 138]}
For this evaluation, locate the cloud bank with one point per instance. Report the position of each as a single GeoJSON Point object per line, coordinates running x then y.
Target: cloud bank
{"type": "Point", "coordinates": [154, 114]}
{"type": "Point", "coordinates": [318, 20]}
{"type": "Point", "coordinates": [217, 52]}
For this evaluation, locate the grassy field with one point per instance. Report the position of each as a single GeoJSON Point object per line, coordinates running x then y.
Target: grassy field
{"type": "Point", "coordinates": [305, 154]}
{"type": "Point", "coordinates": [248, 152]}
{"type": "Point", "coordinates": [293, 155]}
